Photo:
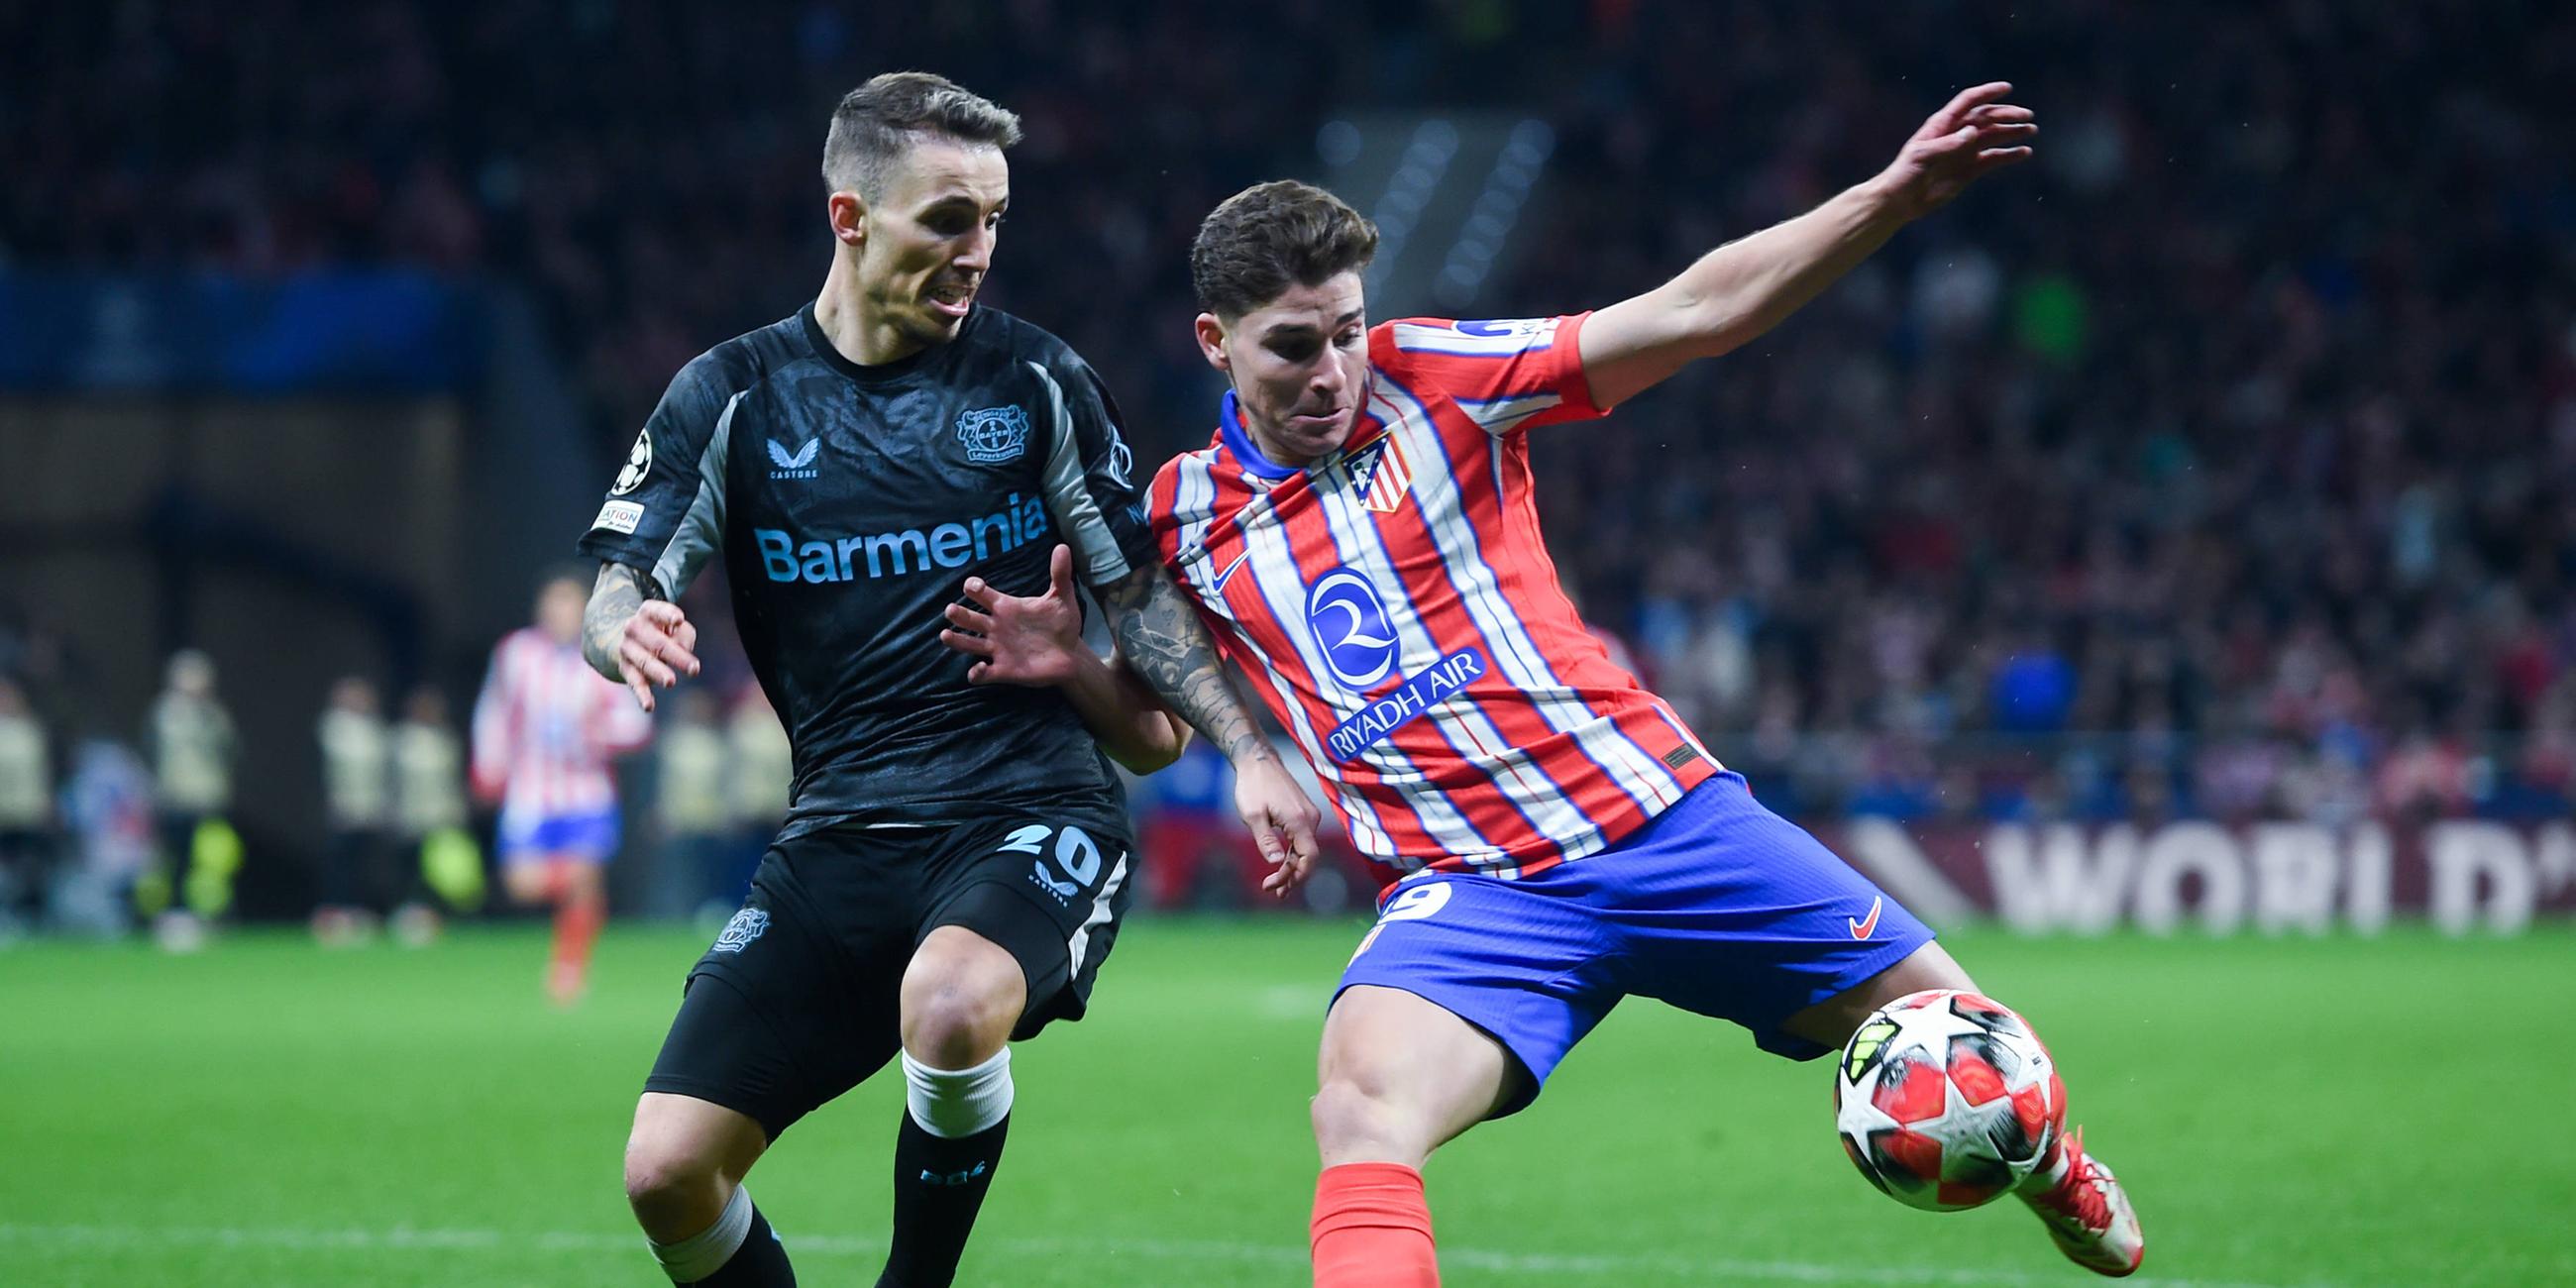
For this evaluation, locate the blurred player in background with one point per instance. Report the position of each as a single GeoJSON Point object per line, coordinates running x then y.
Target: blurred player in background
{"type": "Point", "coordinates": [956, 860]}
{"type": "Point", "coordinates": [26, 813]}
{"type": "Point", "coordinates": [356, 791]}
{"type": "Point", "coordinates": [1362, 537]}
{"type": "Point", "coordinates": [545, 729]}
{"type": "Point", "coordinates": [434, 854]}
{"type": "Point", "coordinates": [193, 750]}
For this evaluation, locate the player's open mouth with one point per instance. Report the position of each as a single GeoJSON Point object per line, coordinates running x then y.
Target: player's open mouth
{"type": "Point", "coordinates": [951, 300]}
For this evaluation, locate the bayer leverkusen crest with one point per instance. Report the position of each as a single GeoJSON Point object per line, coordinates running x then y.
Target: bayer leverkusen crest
{"type": "Point", "coordinates": [994, 435]}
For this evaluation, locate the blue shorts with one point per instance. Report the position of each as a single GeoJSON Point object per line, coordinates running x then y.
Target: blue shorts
{"type": "Point", "coordinates": [588, 837]}
{"type": "Point", "coordinates": [1717, 906]}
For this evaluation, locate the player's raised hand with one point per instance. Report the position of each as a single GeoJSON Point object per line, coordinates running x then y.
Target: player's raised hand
{"type": "Point", "coordinates": [1019, 639]}
{"type": "Point", "coordinates": [1282, 818]}
{"type": "Point", "coordinates": [1975, 133]}
{"type": "Point", "coordinates": [656, 648]}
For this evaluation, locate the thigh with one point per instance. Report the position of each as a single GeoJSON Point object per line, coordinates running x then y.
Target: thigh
{"type": "Point", "coordinates": [795, 1002]}
{"type": "Point", "coordinates": [1832, 1021]}
{"type": "Point", "coordinates": [1400, 1076]}
{"type": "Point", "coordinates": [1729, 910]}
{"type": "Point", "coordinates": [1512, 959]}
{"type": "Point", "coordinates": [1049, 885]}
{"type": "Point", "coordinates": [677, 1127]}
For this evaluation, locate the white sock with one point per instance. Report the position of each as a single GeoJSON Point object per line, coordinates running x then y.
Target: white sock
{"type": "Point", "coordinates": [950, 1103]}
{"type": "Point", "coordinates": [704, 1253]}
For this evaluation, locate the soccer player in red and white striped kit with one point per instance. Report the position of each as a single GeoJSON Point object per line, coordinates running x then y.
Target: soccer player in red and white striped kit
{"type": "Point", "coordinates": [545, 729]}
{"type": "Point", "coordinates": [1362, 539]}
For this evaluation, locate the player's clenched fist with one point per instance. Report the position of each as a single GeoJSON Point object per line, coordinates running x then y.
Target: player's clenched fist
{"type": "Point", "coordinates": [656, 647]}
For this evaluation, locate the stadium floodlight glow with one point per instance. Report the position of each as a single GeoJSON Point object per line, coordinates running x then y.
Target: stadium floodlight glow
{"type": "Point", "coordinates": [1338, 143]}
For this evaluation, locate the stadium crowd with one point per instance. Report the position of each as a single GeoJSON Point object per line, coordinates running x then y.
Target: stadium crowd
{"type": "Point", "coordinates": [2242, 424]}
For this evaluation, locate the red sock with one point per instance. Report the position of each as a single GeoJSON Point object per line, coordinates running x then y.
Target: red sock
{"type": "Point", "coordinates": [1373, 1229]}
{"type": "Point", "coordinates": [576, 925]}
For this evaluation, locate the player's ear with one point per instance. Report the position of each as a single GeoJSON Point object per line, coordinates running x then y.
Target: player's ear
{"type": "Point", "coordinates": [848, 212]}
{"type": "Point", "coordinates": [1211, 337]}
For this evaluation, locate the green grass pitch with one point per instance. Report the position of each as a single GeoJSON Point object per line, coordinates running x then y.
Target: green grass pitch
{"type": "Point", "coordinates": [2287, 1112]}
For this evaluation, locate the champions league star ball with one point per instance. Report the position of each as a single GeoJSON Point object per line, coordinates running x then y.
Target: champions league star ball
{"type": "Point", "coordinates": [1945, 1100]}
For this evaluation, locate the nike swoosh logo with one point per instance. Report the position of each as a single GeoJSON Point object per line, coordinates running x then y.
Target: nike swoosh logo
{"type": "Point", "coordinates": [1863, 929]}
{"type": "Point", "coordinates": [1229, 570]}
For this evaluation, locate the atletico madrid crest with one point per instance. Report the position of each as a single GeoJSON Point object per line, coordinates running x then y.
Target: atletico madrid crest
{"type": "Point", "coordinates": [1380, 476]}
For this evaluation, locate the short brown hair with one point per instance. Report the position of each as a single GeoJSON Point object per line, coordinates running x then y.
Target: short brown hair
{"type": "Point", "coordinates": [1259, 241]}
{"type": "Point", "coordinates": [878, 122]}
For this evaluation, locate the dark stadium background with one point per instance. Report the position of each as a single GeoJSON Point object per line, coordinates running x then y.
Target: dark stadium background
{"type": "Point", "coordinates": [2215, 466]}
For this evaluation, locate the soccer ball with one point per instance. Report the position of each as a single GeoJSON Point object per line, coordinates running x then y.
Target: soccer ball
{"type": "Point", "coordinates": [1945, 1100]}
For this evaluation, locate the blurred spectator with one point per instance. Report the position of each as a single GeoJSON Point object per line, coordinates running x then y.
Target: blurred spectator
{"type": "Point", "coordinates": [26, 813]}
{"type": "Point", "coordinates": [108, 810]}
{"type": "Point", "coordinates": [697, 832]}
{"type": "Point", "coordinates": [433, 853]}
{"type": "Point", "coordinates": [2230, 408]}
{"type": "Point", "coordinates": [764, 776]}
{"type": "Point", "coordinates": [191, 737]}
{"type": "Point", "coordinates": [357, 885]}
{"type": "Point", "coordinates": [1195, 849]}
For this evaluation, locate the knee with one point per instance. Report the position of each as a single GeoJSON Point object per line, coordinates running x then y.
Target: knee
{"type": "Point", "coordinates": [962, 996]}
{"type": "Point", "coordinates": [524, 883]}
{"type": "Point", "coordinates": [667, 1182]}
{"type": "Point", "coordinates": [956, 1024]}
{"type": "Point", "coordinates": [1353, 1118]}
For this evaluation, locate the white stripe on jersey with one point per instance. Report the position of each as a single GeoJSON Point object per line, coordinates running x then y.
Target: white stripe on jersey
{"type": "Point", "coordinates": [1467, 728]}
{"type": "Point", "coordinates": [1516, 336]}
{"type": "Point", "coordinates": [701, 530]}
{"type": "Point", "coordinates": [1500, 416]}
{"type": "Point", "coordinates": [1194, 506]}
{"type": "Point", "coordinates": [1645, 779]}
{"type": "Point", "coordinates": [1068, 494]}
{"type": "Point", "coordinates": [1283, 592]}
{"type": "Point", "coordinates": [1194, 493]}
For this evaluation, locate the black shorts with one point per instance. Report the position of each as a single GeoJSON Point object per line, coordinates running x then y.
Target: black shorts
{"type": "Point", "coordinates": [797, 1001]}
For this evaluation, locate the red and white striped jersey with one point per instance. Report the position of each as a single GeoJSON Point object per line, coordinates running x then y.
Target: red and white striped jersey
{"type": "Point", "coordinates": [1395, 607]}
{"type": "Point", "coordinates": [545, 727]}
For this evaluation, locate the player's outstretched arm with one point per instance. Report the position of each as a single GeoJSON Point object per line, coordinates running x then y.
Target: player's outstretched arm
{"type": "Point", "coordinates": [632, 636]}
{"type": "Point", "coordinates": [1160, 636]}
{"type": "Point", "coordinates": [1746, 287]}
{"type": "Point", "coordinates": [1037, 642]}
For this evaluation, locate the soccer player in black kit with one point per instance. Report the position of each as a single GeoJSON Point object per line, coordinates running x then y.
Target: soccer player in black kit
{"type": "Point", "coordinates": [953, 867]}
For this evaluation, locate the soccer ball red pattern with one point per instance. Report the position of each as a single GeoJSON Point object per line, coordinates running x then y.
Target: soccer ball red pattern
{"type": "Point", "coordinates": [1945, 1099]}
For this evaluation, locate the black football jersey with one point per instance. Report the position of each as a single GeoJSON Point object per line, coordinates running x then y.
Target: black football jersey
{"type": "Point", "coordinates": [849, 504]}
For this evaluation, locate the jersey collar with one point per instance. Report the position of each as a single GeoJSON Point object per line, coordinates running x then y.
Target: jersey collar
{"type": "Point", "coordinates": [879, 373]}
{"type": "Point", "coordinates": [1230, 430]}
{"type": "Point", "coordinates": [1229, 427]}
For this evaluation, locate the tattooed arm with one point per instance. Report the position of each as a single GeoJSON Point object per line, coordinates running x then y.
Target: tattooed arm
{"type": "Point", "coordinates": [632, 635]}
{"type": "Point", "coordinates": [1162, 640]}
